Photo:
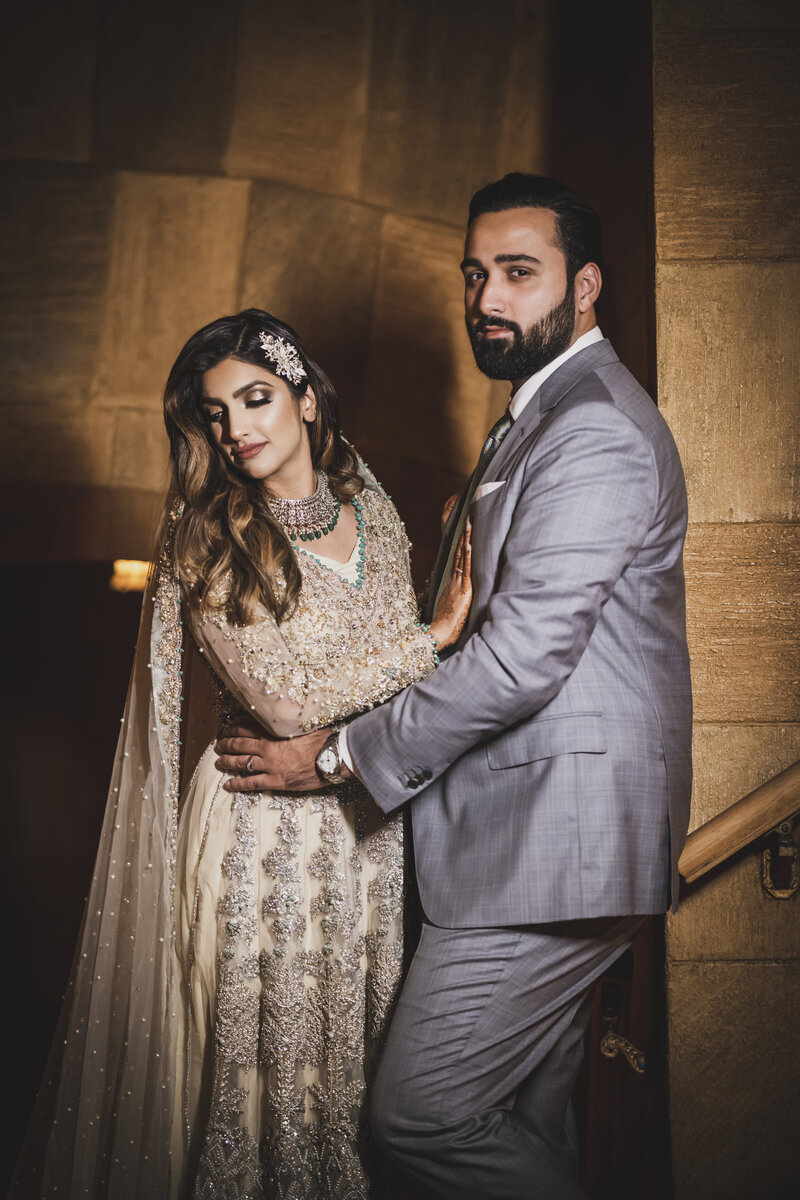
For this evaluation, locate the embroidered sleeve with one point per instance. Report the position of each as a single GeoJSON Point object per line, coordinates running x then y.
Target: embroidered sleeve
{"type": "Point", "coordinates": [289, 696]}
{"type": "Point", "coordinates": [344, 650]}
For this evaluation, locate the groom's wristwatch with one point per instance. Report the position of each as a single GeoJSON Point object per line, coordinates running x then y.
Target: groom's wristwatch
{"type": "Point", "coordinates": [329, 762]}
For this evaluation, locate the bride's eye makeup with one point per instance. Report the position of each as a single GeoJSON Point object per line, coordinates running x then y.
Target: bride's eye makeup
{"type": "Point", "coordinates": [256, 399]}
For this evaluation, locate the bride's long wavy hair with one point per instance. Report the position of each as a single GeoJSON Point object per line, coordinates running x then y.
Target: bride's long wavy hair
{"type": "Point", "coordinates": [227, 526]}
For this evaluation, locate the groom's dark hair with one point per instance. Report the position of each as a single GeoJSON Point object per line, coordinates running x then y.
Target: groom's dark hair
{"type": "Point", "coordinates": [578, 232]}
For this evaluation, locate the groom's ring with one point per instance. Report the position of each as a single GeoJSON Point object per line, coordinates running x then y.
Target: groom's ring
{"type": "Point", "coordinates": [248, 766]}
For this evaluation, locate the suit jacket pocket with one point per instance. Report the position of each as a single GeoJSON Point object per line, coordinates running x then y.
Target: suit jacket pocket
{"type": "Point", "coordinates": [486, 489]}
{"type": "Point", "coordinates": [571, 733]}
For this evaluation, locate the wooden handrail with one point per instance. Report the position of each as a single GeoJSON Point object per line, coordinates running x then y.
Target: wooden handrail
{"type": "Point", "coordinates": [749, 818]}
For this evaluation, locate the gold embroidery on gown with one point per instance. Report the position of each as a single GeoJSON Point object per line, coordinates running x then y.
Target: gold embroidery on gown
{"type": "Point", "coordinates": [289, 907]}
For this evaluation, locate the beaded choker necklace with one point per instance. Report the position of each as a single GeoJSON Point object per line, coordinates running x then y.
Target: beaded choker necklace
{"type": "Point", "coordinates": [310, 517]}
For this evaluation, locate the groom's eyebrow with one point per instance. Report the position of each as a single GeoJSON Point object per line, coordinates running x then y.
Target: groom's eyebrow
{"type": "Point", "coordinates": [507, 258]}
{"type": "Point", "coordinates": [501, 258]}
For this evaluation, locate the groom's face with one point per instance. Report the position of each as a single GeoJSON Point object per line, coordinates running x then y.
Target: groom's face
{"type": "Point", "coordinates": [520, 313]}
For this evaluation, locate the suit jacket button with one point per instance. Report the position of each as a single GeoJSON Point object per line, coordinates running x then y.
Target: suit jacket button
{"type": "Point", "coordinates": [427, 773]}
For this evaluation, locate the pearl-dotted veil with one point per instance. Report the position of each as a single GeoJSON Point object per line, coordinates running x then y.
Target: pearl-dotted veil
{"type": "Point", "coordinates": [102, 1124]}
{"type": "Point", "coordinates": [104, 1121]}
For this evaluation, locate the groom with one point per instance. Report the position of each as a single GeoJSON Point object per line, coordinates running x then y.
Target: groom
{"type": "Point", "coordinates": [547, 760]}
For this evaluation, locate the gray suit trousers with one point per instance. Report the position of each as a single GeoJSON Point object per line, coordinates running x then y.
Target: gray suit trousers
{"type": "Point", "coordinates": [472, 1096]}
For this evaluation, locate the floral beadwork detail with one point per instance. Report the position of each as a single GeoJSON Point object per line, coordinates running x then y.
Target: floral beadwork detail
{"type": "Point", "coordinates": [309, 967]}
{"type": "Point", "coordinates": [229, 1161]}
{"type": "Point", "coordinates": [167, 667]}
{"type": "Point", "coordinates": [344, 649]}
{"type": "Point", "coordinates": [309, 921]}
{"type": "Point", "coordinates": [284, 357]}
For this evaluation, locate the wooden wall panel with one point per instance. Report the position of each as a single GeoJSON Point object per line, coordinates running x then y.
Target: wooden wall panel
{"type": "Point", "coordinates": [68, 443]}
{"type": "Point", "coordinates": [140, 455]}
{"type": "Point", "coordinates": [301, 93]}
{"type": "Point", "coordinates": [54, 227]}
{"type": "Point", "coordinates": [425, 398]}
{"type": "Point", "coordinates": [312, 260]}
{"type": "Point", "coordinates": [164, 91]}
{"type": "Point", "coordinates": [47, 66]}
{"type": "Point", "coordinates": [729, 386]}
{"type": "Point", "coordinates": [733, 1085]}
{"type": "Point", "coordinates": [726, 915]}
{"type": "Point", "coordinates": [435, 131]}
{"type": "Point", "coordinates": [743, 615]}
{"type": "Point", "coordinates": [78, 523]}
{"type": "Point", "coordinates": [727, 173]}
{"type": "Point", "coordinates": [732, 760]}
{"type": "Point", "coordinates": [527, 110]}
{"type": "Point", "coordinates": [174, 266]}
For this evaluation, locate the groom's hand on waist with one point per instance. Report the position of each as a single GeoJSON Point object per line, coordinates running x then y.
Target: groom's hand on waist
{"type": "Point", "coordinates": [257, 762]}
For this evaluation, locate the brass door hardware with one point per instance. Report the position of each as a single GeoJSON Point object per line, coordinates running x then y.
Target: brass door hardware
{"type": "Point", "coordinates": [612, 1042]}
{"type": "Point", "coordinates": [780, 864]}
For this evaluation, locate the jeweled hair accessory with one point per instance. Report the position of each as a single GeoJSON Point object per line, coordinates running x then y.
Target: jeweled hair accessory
{"type": "Point", "coordinates": [284, 356]}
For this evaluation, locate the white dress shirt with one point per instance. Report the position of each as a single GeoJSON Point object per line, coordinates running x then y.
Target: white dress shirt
{"type": "Point", "coordinates": [530, 387]}
{"type": "Point", "coordinates": [516, 405]}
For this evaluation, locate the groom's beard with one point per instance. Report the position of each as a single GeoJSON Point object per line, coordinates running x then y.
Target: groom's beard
{"type": "Point", "coordinates": [525, 353]}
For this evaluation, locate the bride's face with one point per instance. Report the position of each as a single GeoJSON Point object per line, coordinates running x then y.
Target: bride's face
{"type": "Point", "coordinates": [257, 423]}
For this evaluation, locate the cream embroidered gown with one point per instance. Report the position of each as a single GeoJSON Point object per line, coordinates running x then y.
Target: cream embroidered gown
{"type": "Point", "coordinates": [289, 907]}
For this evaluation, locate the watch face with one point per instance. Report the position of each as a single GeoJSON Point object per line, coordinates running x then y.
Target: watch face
{"type": "Point", "coordinates": [328, 761]}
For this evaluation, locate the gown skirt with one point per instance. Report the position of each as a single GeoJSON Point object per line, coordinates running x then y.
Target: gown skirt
{"type": "Point", "coordinates": [289, 945]}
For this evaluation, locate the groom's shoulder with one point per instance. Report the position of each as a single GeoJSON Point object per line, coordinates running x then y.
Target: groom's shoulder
{"type": "Point", "coordinates": [600, 397]}
{"type": "Point", "coordinates": [606, 381]}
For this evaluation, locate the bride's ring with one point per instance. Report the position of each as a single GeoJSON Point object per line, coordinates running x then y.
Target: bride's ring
{"type": "Point", "coordinates": [248, 766]}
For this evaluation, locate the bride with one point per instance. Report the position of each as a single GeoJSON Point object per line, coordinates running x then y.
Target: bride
{"type": "Point", "coordinates": [240, 952]}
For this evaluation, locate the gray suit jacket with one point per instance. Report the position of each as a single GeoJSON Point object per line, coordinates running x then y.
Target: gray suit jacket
{"type": "Point", "coordinates": [548, 760]}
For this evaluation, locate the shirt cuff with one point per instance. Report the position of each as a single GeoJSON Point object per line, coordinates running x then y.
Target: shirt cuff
{"type": "Point", "coordinates": [344, 753]}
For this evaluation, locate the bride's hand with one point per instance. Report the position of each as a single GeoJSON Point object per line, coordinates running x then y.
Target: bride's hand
{"type": "Point", "coordinates": [449, 505]}
{"type": "Point", "coordinates": [452, 607]}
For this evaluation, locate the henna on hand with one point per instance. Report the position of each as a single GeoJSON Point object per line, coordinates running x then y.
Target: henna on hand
{"type": "Point", "coordinates": [449, 505]}
{"type": "Point", "coordinates": [454, 603]}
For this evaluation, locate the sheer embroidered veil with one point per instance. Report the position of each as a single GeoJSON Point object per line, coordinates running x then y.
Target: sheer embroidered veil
{"type": "Point", "coordinates": [103, 1121]}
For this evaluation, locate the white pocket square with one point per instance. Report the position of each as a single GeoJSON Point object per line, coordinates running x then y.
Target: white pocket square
{"type": "Point", "coordinates": [483, 489]}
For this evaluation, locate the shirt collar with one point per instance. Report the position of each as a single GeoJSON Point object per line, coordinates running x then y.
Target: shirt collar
{"type": "Point", "coordinates": [531, 385]}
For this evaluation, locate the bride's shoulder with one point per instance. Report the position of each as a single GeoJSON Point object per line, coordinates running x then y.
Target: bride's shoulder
{"type": "Point", "coordinates": [380, 514]}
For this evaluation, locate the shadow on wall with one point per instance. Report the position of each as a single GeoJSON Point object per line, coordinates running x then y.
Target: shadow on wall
{"type": "Point", "coordinates": [601, 143]}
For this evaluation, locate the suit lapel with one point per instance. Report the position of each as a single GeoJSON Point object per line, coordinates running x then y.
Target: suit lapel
{"type": "Point", "coordinates": [554, 389]}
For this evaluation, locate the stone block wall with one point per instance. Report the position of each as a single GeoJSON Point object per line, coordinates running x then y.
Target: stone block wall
{"type": "Point", "coordinates": [164, 163]}
{"type": "Point", "coordinates": [726, 125]}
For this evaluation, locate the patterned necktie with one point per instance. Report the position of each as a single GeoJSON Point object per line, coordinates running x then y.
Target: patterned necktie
{"type": "Point", "coordinates": [447, 551]}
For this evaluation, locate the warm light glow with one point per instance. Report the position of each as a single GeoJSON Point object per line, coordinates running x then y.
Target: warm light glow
{"type": "Point", "coordinates": [130, 575]}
